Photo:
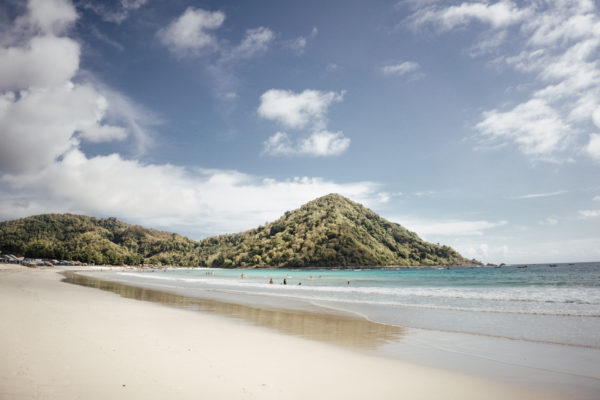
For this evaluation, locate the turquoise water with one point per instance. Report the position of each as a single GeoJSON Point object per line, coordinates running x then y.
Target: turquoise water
{"type": "Point", "coordinates": [544, 303]}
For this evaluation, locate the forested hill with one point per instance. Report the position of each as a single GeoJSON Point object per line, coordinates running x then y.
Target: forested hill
{"type": "Point", "coordinates": [93, 240]}
{"type": "Point", "coordinates": [327, 232]}
{"type": "Point", "coordinates": [330, 231]}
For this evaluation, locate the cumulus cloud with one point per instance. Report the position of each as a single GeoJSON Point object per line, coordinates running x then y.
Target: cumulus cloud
{"type": "Point", "coordinates": [400, 69]}
{"type": "Point", "coordinates": [534, 126]}
{"type": "Point", "coordinates": [318, 144]}
{"type": "Point", "coordinates": [190, 32]}
{"type": "Point", "coordinates": [44, 61]}
{"type": "Point", "coordinates": [325, 143]}
{"type": "Point", "coordinates": [555, 44]}
{"type": "Point", "coordinates": [43, 113]}
{"type": "Point", "coordinates": [297, 111]}
{"type": "Point", "coordinates": [51, 16]}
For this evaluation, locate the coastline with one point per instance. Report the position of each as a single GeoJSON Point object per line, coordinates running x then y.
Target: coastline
{"type": "Point", "coordinates": [67, 341]}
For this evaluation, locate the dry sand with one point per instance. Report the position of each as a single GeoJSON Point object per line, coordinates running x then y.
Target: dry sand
{"type": "Point", "coordinates": [61, 341]}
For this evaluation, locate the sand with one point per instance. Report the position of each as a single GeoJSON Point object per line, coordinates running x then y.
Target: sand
{"type": "Point", "coordinates": [62, 341]}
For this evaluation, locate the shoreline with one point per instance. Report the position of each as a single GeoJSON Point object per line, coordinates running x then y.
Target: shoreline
{"type": "Point", "coordinates": [67, 341]}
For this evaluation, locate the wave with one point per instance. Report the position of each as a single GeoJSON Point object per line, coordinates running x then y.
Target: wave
{"type": "Point", "coordinates": [563, 295]}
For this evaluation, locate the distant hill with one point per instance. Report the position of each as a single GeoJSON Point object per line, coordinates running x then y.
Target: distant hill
{"type": "Point", "coordinates": [93, 240]}
{"type": "Point", "coordinates": [331, 231]}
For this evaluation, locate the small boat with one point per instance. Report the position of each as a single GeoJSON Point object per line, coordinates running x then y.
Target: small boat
{"type": "Point", "coordinates": [522, 266]}
{"type": "Point", "coordinates": [552, 265]}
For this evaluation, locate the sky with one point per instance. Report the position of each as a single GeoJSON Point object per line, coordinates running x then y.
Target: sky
{"type": "Point", "coordinates": [475, 124]}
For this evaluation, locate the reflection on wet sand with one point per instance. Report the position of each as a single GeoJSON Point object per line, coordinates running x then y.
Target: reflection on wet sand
{"type": "Point", "coordinates": [335, 329]}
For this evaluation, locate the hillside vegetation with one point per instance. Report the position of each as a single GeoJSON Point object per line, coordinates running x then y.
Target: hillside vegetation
{"type": "Point", "coordinates": [93, 240]}
{"type": "Point", "coordinates": [331, 231]}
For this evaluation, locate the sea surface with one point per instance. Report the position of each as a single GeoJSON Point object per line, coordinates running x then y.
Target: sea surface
{"type": "Point", "coordinates": [550, 303]}
{"type": "Point", "coordinates": [535, 326]}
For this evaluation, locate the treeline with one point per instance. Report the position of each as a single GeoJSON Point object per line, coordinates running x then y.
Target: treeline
{"type": "Point", "coordinates": [93, 240]}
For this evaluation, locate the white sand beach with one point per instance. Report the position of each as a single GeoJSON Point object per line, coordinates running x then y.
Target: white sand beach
{"type": "Point", "coordinates": [62, 341]}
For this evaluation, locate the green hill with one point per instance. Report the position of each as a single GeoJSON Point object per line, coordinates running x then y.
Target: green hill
{"type": "Point", "coordinates": [93, 240]}
{"type": "Point", "coordinates": [330, 231]}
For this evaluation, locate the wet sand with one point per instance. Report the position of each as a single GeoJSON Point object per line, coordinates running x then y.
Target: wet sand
{"type": "Point", "coordinates": [63, 341]}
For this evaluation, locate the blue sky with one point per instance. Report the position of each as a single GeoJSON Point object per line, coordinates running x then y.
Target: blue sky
{"type": "Point", "coordinates": [474, 123]}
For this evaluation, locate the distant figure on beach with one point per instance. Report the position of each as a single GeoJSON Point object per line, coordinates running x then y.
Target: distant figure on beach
{"type": "Point", "coordinates": [299, 283]}
{"type": "Point", "coordinates": [348, 283]}
{"type": "Point", "coordinates": [242, 276]}
{"type": "Point", "coordinates": [271, 281]}
{"type": "Point", "coordinates": [284, 281]}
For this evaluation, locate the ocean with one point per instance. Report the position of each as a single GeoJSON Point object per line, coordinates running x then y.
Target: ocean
{"type": "Point", "coordinates": [535, 326]}
{"type": "Point", "coordinates": [548, 303]}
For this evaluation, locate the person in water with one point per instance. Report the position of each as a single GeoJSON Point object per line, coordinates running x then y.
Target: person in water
{"type": "Point", "coordinates": [284, 281]}
{"type": "Point", "coordinates": [271, 281]}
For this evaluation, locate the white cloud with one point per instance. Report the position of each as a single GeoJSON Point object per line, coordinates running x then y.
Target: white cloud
{"type": "Point", "coordinates": [538, 195]}
{"type": "Point", "coordinates": [400, 69]}
{"type": "Point", "coordinates": [192, 201]}
{"type": "Point", "coordinates": [279, 145]}
{"type": "Point", "coordinates": [586, 214]}
{"type": "Point", "coordinates": [497, 15]}
{"type": "Point", "coordinates": [593, 147]}
{"type": "Point", "coordinates": [299, 44]}
{"type": "Point", "coordinates": [51, 16]}
{"type": "Point", "coordinates": [40, 125]}
{"type": "Point", "coordinates": [296, 110]}
{"type": "Point", "coordinates": [534, 126]}
{"type": "Point", "coordinates": [255, 41]}
{"type": "Point", "coordinates": [43, 114]}
{"type": "Point", "coordinates": [428, 228]}
{"type": "Point", "coordinates": [21, 67]}
{"type": "Point", "coordinates": [190, 32]}
{"type": "Point", "coordinates": [318, 144]}
{"type": "Point", "coordinates": [324, 143]}
{"type": "Point", "coordinates": [596, 198]}
{"type": "Point", "coordinates": [555, 43]}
